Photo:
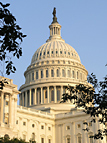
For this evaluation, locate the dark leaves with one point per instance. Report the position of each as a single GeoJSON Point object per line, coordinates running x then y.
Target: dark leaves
{"type": "Point", "coordinates": [10, 37]}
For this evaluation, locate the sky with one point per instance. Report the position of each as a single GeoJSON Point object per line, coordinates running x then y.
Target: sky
{"type": "Point", "coordinates": [84, 27]}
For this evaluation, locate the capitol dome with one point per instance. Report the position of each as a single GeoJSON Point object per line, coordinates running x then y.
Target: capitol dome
{"type": "Point", "coordinates": [53, 66]}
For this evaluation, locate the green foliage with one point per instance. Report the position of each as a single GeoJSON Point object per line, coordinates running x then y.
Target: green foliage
{"type": "Point", "coordinates": [6, 139]}
{"type": "Point", "coordinates": [10, 38]}
{"type": "Point", "coordinates": [93, 99]}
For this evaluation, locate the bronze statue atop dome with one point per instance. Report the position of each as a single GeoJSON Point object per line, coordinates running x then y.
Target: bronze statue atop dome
{"type": "Point", "coordinates": [54, 16]}
{"type": "Point", "coordinates": [54, 12]}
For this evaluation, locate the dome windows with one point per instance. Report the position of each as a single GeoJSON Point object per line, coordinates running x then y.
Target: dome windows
{"type": "Point", "coordinates": [41, 73]}
{"type": "Point", "coordinates": [60, 52]}
{"type": "Point", "coordinates": [36, 74]}
{"type": "Point", "coordinates": [63, 73]}
{"type": "Point", "coordinates": [57, 72]}
{"type": "Point", "coordinates": [52, 73]}
{"type": "Point", "coordinates": [47, 73]}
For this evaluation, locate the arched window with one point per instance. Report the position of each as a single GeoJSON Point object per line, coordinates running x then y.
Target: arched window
{"type": "Point", "coordinates": [63, 73]}
{"type": "Point", "coordinates": [33, 76]}
{"type": "Point", "coordinates": [90, 138]}
{"type": "Point", "coordinates": [58, 94]}
{"type": "Point", "coordinates": [69, 73]}
{"type": "Point", "coordinates": [79, 138]}
{"type": "Point", "coordinates": [36, 74]}
{"type": "Point", "coordinates": [52, 73]}
{"type": "Point", "coordinates": [73, 74]}
{"type": "Point", "coordinates": [49, 140]}
{"type": "Point", "coordinates": [33, 136]}
{"type": "Point", "coordinates": [77, 74]}
{"type": "Point", "coordinates": [81, 76]}
{"type": "Point", "coordinates": [57, 72]}
{"type": "Point", "coordinates": [68, 139]}
{"type": "Point", "coordinates": [52, 95]}
{"type": "Point", "coordinates": [41, 73]}
{"type": "Point", "coordinates": [47, 73]}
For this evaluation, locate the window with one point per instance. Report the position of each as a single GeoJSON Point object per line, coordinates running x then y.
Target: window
{"type": "Point", "coordinates": [44, 53]}
{"type": "Point", "coordinates": [48, 52]}
{"type": "Point", "coordinates": [58, 94]}
{"type": "Point", "coordinates": [56, 52]}
{"type": "Point", "coordinates": [68, 73]}
{"type": "Point", "coordinates": [90, 124]}
{"type": "Point", "coordinates": [24, 137]}
{"type": "Point", "coordinates": [60, 52]}
{"type": "Point", "coordinates": [52, 73]}
{"type": "Point", "coordinates": [79, 139]}
{"type": "Point", "coordinates": [33, 76]}
{"type": "Point", "coordinates": [63, 73]}
{"type": "Point", "coordinates": [52, 95]}
{"type": "Point", "coordinates": [68, 140]}
{"type": "Point", "coordinates": [68, 53]}
{"type": "Point", "coordinates": [6, 102]}
{"type": "Point", "coordinates": [42, 127]}
{"type": "Point", "coordinates": [57, 72]}
{"type": "Point", "coordinates": [65, 52]}
{"type": "Point", "coordinates": [33, 136]}
{"type": "Point", "coordinates": [36, 74]}
{"type": "Point", "coordinates": [78, 126]}
{"type": "Point", "coordinates": [49, 128]}
{"type": "Point", "coordinates": [90, 140]}
{"type": "Point", "coordinates": [41, 73]}
{"type": "Point", "coordinates": [17, 122]}
{"type": "Point", "coordinates": [81, 76]}
{"type": "Point", "coordinates": [42, 140]}
{"type": "Point", "coordinates": [33, 125]}
{"type": "Point", "coordinates": [73, 76]}
{"type": "Point", "coordinates": [49, 140]}
{"type": "Point", "coordinates": [24, 123]}
{"type": "Point", "coordinates": [68, 127]}
{"type": "Point", "coordinates": [52, 52]}
{"type": "Point", "coordinates": [47, 73]}
{"type": "Point", "coordinates": [77, 75]}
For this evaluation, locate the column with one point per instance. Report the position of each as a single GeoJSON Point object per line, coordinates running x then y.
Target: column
{"type": "Point", "coordinates": [61, 92]}
{"type": "Point", "coordinates": [2, 104]}
{"type": "Point", "coordinates": [48, 94]}
{"type": "Point", "coordinates": [10, 108]}
{"type": "Point", "coordinates": [26, 98]}
{"type": "Point", "coordinates": [30, 97]}
{"type": "Point", "coordinates": [41, 95]}
{"type": "Point", "coordinates": [55, 95]}
{"type": "Point", "coordinates": [35, 102]}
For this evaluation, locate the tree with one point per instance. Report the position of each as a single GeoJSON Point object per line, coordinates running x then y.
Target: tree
{"type": "Point", "coordinates": [11, 38]}
{"type": "Point", "coordinates": [93, 99]}
{"type": "Point", "coordinates": [6, 139]}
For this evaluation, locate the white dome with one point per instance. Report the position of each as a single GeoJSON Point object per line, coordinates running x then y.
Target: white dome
{"type": "Point", "coordinates": [55, 49]}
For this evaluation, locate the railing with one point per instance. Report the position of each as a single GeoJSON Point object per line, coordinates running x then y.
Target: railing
{"type": "Point", "coordinates": [34, 111]}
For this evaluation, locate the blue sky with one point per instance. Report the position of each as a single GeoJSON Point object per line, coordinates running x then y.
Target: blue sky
{"type": "Point", "coordinates": [84, 26]}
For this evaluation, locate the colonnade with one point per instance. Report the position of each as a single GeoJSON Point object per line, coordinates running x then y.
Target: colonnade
{"type": "Point", "coordinates": [42, 95]}
{"type": "Point", "coordinates": [2, 108]}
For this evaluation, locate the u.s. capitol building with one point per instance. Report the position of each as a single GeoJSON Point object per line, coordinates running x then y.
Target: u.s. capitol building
{"type": "Point", "coordinates": [40, 115]}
